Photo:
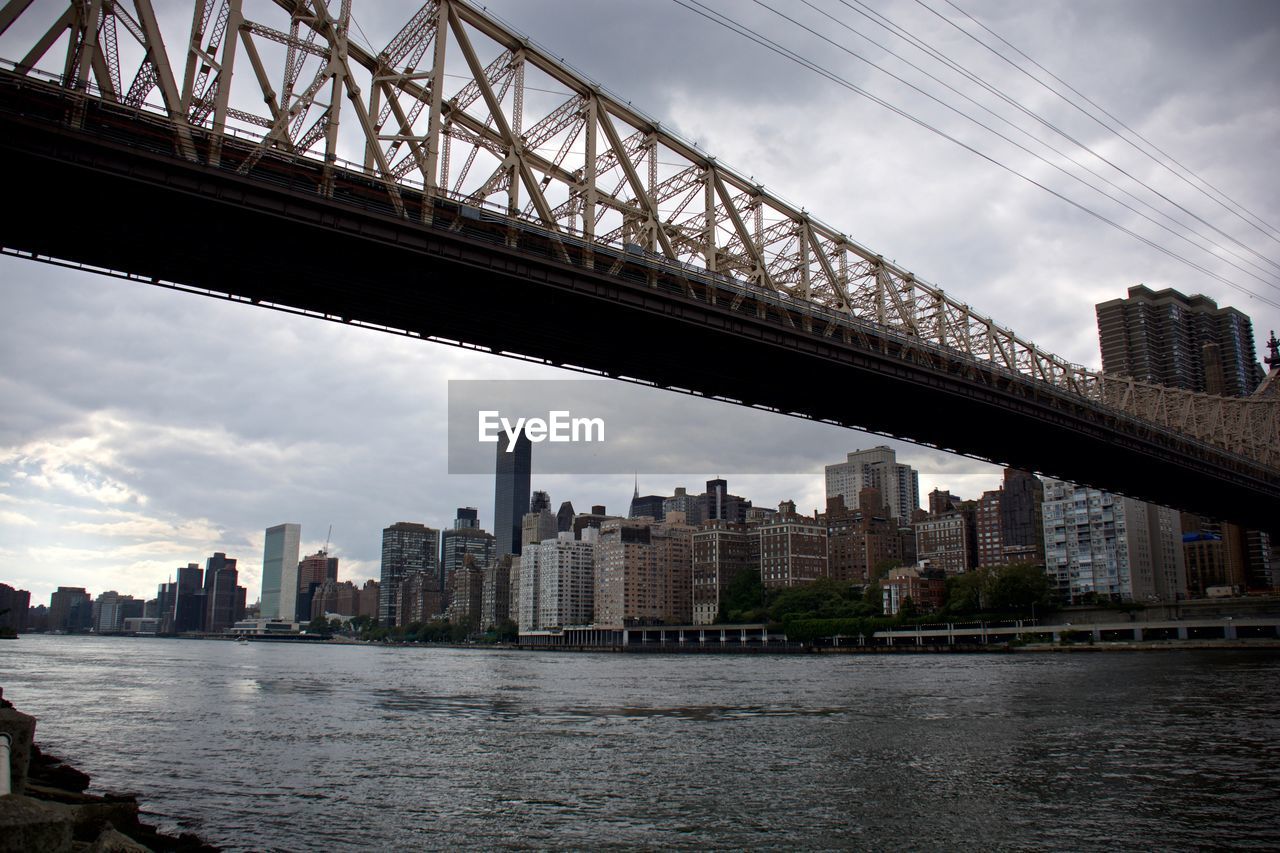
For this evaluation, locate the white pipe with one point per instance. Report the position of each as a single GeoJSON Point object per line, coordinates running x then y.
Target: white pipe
{"type": "Point", "coordinates": [5, 782]}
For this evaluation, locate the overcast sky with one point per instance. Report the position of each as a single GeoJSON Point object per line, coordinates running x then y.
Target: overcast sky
{"type": "Point", "coordinates": [141, 429]}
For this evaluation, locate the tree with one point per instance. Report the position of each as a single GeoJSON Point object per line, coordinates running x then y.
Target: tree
{"type": "Point", "coordinates": [824, 598]}
{"type": "Point", "coordinates": [1014, 588]}
{"type": "Point", "coordinates": [1019, 586]}
{"type": "Point", "coordinates": [318, 625]}
{"type": "Point", "coordinates": [882, 569]}
{"type": "Point", "coordinates": [742, 599]}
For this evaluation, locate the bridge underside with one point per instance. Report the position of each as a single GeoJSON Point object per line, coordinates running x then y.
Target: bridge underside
{"type": "Point", "coordinates": [158, 217]}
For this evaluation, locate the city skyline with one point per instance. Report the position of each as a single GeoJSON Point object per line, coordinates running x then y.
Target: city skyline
{"type": "Point", "coordinates": [110, 387]}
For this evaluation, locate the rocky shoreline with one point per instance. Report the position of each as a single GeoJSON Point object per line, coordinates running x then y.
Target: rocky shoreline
{"type": "Point", "coordinates": [49, 809]}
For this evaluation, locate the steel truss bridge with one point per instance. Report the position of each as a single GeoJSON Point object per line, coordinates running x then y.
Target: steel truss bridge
{"type": "Point", "coordinates": [463, 185]}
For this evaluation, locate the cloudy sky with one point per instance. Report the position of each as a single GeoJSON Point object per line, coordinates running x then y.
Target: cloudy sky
{"type": "Point", "coordinates": [141, 429]}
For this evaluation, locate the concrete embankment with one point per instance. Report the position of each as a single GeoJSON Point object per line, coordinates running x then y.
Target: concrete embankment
{"type": "Point", "coordinates": [48, 810]}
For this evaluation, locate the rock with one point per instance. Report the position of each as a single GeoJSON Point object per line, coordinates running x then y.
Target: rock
{"type": "Point", "coordinates": [112, 841]}
{"type": "Point", "coordinates": [27, 825]}
{"type": "Point", "coordinates": [51, 772]}
{"type": "Point", "coordinates": [21, 729]}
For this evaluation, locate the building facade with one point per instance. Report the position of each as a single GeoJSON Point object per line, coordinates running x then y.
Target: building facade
{"type": "Point", "coordinates": [495, 598]}
{"type": "Point", "coordinates": [721, 551]}
{"type": "Point", "coordinates": [459, 545]}
{"type": "Point", "coordinates": [946, 541]}
{"type": "Point", "coordinates": [565, 577]}
{"type": "Point", "coordinates": [511, 494]}
{"type": "Point", "coordinates": [190, 604]}
{"type": "Point", "coordinates": [14, 604]}
{"type": "Point", "coordinates": [1113, 548]}
{"type": "Point", "coordinates": [1178, 341]}
{"type": "Point", "coordinates": [924, 588]}
{"type": "Point", "coordinates": [280, 572]}
{"type": "Point", "coordinates": [316, 568]}
{"type": "Point", "coordinates": [223, 606]}
{"type": "Point", "coordinates": [644, 573]}
{"type": "Point", "coordinates": [860, 542]}
{"type": "Point", "coordinates": [793, 549]}
{"type": "Point", "coordinates": [408, 549]}
{"type": "Point", "coordinates": [877, 468]}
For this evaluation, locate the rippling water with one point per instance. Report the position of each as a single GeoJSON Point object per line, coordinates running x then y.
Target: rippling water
{"type": "Point", "coordinates": [288, 747]}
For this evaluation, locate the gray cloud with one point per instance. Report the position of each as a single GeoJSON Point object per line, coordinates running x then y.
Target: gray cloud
{"type": "Point", "coordinates": [140, 429]}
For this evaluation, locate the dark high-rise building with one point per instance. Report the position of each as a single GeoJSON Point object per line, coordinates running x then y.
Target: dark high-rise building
{"type": "Point", "coordinates": [511, 494]}
{"type": "Point", "coordinates": [587, 520]}
{"type": "Point", "coordinates": [1021, 518]}
{"type": "Point", "coordinates": [539, 501]}
{"type": "Point", "coordinates": [408, 548]}
{"type": "Point", "coordinates": [220, 578]}
{"type": "Point", "coordinates": [70, 609]}
{"type": "Point", "coordinates": [14, 604]}
{"type": "Point", "coordinates": [166, 597]}
{"type": "Point", "coordinates": [189, 602]}
{"type": "Point", "coordinates": [468, 518]}
{"type": "Point", "coordinates": [1161, 337]}
{"type": "Point", "coordinates": [716, 504]}
{"type": "Point", "coordinates": [646, 506]}
{"type": "Point", "coordinates": [564, 518]}
{"type": "Point", "coordinates": [1189, 343]}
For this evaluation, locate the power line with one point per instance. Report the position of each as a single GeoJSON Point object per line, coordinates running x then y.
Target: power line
{"type": "Point", "coordinates": [997, 133]}
{"type": "Point", "coordinates": [925, 47]}
{"type": "Point", "coordinates": [1274, 231]}
{"type": "Point", "coordinates": [751, 35]}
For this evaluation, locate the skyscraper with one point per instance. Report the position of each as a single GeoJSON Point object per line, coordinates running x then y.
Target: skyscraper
{"type": "Point", "coordinates": [316, 568]}
{"type": "Point", "coordinates": [280, 572]}
{"type": "Point", "coordinates": [877, 468]}
{"type": "Point", "coordinates": [511, 494]}
{"type": "Point", "coordinates": [721, 551]}
{"type": "Point", "coordinates": [1109, 546]}
{"type": "Point", "coordinates": [408, 548]}
{"type": "Point", "coordinates": [564, 518]}
{"type": "Point", "coordinates": [456, 546]}
{"type": "Point", "coordinates": [220, 577]}
{"type": "Point", "coordinates": [70, 609]}
{"type": "Point", "coordinates": [189, 611]}
{"type": "Point", "coordinates": [716, 504]}
{"type": "Point", "coordinates": [1189, 343]}
{"type": "Point", "coordinates": [1183, 342]}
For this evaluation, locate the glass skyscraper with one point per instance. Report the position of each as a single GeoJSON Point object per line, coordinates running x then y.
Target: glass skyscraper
{"type": "Point", "coordinates": [511, 494]}
{"type": "Point", "coordinates": [280, 572]}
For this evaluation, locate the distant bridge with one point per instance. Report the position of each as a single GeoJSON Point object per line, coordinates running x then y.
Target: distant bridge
{"type": "Point", "coordinates": [525, 211]}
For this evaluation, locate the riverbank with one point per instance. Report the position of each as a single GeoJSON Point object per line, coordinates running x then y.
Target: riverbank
{"type": "Point", "coordinates": [49, 809]}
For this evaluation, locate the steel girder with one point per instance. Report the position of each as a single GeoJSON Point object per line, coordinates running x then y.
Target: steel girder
{"type": "Point", "coordinates": [555, 150]}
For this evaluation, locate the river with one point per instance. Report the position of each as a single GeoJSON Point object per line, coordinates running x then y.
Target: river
{"type": "Point", "coordinates": [289, 747]}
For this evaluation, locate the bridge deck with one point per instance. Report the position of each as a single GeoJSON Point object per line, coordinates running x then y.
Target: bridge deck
{"type": "Point", "coordinates": [97, 184]}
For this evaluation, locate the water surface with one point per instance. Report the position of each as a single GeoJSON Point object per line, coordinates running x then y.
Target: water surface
{"type": "Point", "coordinates": [289, 747]}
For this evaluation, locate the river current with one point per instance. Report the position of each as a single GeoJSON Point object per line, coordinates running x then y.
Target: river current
{"type": "Point", "coordinates": [266, 746]}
